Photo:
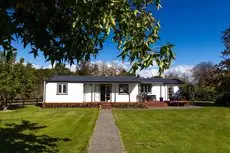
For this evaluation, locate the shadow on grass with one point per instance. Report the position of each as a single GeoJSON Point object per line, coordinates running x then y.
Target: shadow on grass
{"type": "Point", "coordinates": [208, 104]}
{"type": "Point", "coordinates": [14, 140]}
{"type": "Point", "coordinates": [15, 107]}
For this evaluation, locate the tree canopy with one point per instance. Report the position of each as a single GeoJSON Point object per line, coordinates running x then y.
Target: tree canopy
{"type": "Point", "coordinates": [225, 63]}
{"type": "Point", "coordinates": [75, 30]}
{"type": "Point", "coordinates": [15, 78]}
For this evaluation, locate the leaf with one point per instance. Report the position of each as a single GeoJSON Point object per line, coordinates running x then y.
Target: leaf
{"type": "Point", "coordinates": [74, 24]}
{"type": "Point", "coordinates": [112, 21]}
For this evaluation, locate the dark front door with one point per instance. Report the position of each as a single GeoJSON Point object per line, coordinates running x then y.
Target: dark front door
{"type": "Point", "coordinates": [106, 92]}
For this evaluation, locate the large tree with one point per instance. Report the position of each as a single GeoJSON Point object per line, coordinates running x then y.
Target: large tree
{"type": "Point", "coordinates": [75, 30]}
{"type": "Point", "coordinates": [204, 73]}
{"type": "Point", "coordinates": [15, 79]}
{"type": "Point", "coordinates": [225, 63]}
{"type": "Point", "coordinates": [223, 79]}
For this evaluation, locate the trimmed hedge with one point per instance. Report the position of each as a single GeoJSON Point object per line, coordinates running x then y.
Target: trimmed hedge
{"type": "Point", "coordinates": [71, 105]}
{"type": "Point", "coordinates": [94, 105]}
{"type": "Point", "coordinates": [129, 105]}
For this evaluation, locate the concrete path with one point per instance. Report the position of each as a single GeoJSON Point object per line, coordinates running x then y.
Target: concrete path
{"type": "Point", "coordinates": [106, 137]}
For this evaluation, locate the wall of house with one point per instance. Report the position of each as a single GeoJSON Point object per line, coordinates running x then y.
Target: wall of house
{"type": "Point", "coordinates": [161, 90]}
{"type": "Point", "coordinates": [132, 97]}
{"type": "Point", "coordinates": [88, 88]}
{"type": "Point", "coordinates": [75, 93]}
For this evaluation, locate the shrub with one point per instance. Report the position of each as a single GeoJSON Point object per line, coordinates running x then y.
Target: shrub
{"type": "Point", "coordinates": [223, 100]}
{"type": "Point", "coordinates": [129, 105]}
{"type": "Point", "coordinates": [70, 105]}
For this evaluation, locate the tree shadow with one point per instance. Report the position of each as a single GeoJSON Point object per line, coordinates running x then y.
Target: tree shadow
{"type": "Point", "coordinates": [14, 140]}
{"type": "Point", "coordinates": [203, 104]}
{"type": "Point", "coordinates": [15, 107]}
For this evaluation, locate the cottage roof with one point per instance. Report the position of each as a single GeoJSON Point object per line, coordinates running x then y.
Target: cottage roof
{"type": "Point", "coordinates": [111, 79]}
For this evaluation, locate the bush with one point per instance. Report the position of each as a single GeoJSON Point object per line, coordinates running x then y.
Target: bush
{"type": "Point", "coordinates": [70, 105]}
{"type": "Point", "coordinates": [223, 100]}
{"type": "Point", "coordinates": [93, 105]}
{"type": "Point", "coordinates": [129, 105]}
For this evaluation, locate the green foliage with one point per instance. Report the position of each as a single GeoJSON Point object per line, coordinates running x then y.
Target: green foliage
{"type": "Point", "coordinates": [202, 86]}
{"type": "Point", "coordinates": [223, 100]}
{"type": "Point", "coordinates": [129, 105]}
{"type": "Point", "coordinates": [225, 63]}
{"type": "Point", "coordinates": [205, 93]}
{"type": "Point", "coordinates": [187, 91]}
{"type": "Point", "coordinates": [223, 73]}
{"type": "Point", "coordinates": [15, 78]}
{"type": "Point", "coordinates": [75, 30]}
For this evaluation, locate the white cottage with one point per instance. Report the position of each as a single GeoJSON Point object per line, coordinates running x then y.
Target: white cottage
{"type": "Point", "coordinates": [78, 89]}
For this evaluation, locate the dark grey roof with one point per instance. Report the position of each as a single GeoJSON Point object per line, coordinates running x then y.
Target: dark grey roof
{"type": "Point", "coordinates": [111, 79]}
{"type": "Point", "coordinates": [62, 78]}
{"type": "Point", "coordinates": [160, 80]}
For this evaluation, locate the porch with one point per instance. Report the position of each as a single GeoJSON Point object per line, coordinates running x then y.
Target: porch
{"type": "Point", "coordinates": [113, 92]}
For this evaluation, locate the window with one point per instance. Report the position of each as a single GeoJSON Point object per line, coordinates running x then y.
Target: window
{"type": "Point", "coordinates": [123, 88]}
{"type": "Point", "coordinates": [62, 89]}
{"type": "Point", "coordinates": [145, 88]}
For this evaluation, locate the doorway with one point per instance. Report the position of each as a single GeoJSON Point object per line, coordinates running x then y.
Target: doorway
{"type": "Point", "coordinates": [106, 92]}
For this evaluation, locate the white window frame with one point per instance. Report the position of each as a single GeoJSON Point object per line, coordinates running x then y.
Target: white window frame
{"type": "Point", "coordinates": [62, 93]}
{"type": "Point", "coordinates": [146, 86]}
{"type": "Point", "coordinates": [123, 93]}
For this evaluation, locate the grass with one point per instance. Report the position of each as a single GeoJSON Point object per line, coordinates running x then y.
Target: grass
{"type": "Point", "coordinates": [205, 130]}
{"type": "Point", "coordinates": [35, 130]}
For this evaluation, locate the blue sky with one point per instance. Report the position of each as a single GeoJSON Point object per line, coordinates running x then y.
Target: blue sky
{"type": "Point", "coordinates": [194, 27]}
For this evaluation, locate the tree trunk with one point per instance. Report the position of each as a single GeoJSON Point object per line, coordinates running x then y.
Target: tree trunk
{"type": "Point", "coordinates": [4, 105]}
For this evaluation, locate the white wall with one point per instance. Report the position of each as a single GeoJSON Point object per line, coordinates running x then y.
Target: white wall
{"type": "Point", "coordinates": [88, 92]}
{"type": "Point", "coordinates": [75, 93]}
{"type": "Point", "coordinates": [162, 90]}
{"type": "Point", "coordinates": [156, 91]}
{"type": "Point", "coordinates": [133, 90]}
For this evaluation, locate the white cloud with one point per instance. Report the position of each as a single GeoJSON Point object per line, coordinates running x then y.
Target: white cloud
{"type": "Point", "coordinates": [181, 70]}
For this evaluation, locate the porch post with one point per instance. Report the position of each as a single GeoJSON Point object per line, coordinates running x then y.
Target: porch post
{"type": "Point", "coordinates": [129, 91]}
{"type": "Point", "coordinates": [115, 93]}
{"type": "Point", "coordinates": [83, 92]}
{"type": "Point", "coordinates": [91, 92]}
{"type": "Point", "coordinates": [160, 91]}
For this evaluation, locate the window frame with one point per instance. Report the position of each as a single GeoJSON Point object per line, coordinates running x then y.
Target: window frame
{"type": "Point", "coordinates": [149, 87]}
{"type": "Point", "coordinates": [123, 93]}
{"type": "Point", "coordinates": [62, 84]}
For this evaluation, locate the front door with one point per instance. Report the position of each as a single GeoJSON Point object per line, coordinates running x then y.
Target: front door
{"type": "Point", "coordinates": [106, 92]}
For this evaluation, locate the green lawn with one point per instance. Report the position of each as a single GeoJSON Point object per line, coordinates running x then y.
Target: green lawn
{"type": "Point", "coordinates": [35, 130]}
{"type": "Point", "coordinates": [205, 130]}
